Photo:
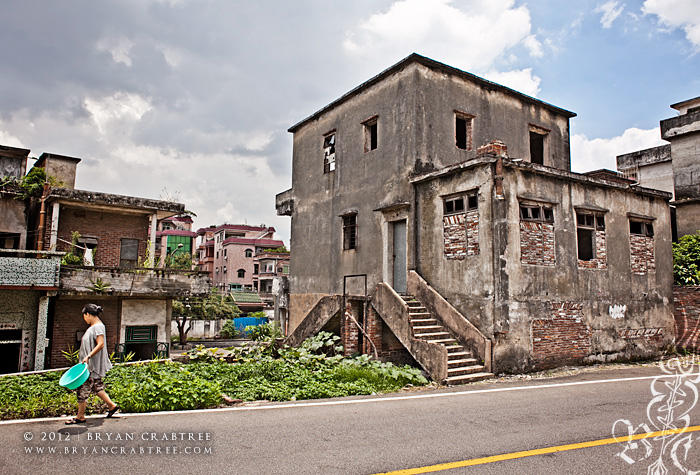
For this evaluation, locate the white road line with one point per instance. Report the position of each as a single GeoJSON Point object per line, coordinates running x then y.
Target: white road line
{"type": "Point", "coordinates": [387, 398]}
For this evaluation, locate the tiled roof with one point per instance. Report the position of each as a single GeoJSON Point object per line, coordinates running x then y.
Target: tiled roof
{"type": "Point", "coordinates": [246, 297]}
{"type": "Point", "coordinates": [273, 243]}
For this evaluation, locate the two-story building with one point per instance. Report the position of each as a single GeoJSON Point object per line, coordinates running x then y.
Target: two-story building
{"type": "Point", "coordinates": [114, 238]}
{"type": "Point", "coordinates": [435, 219]}
{"type": "Point", "coordinates": [175, 237]}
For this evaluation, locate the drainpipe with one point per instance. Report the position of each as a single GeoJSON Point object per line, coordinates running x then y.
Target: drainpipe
{"type": "Point", "coordinates": [42, 217]}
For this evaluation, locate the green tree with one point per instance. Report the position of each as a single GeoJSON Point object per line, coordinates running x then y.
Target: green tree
{"type": "Point", "coordinates": [214, 305]}
{"type": "Point", "coordinates": [686, 260]}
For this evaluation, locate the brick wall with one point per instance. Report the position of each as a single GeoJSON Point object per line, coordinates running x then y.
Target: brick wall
{"type": "Point", "coordinates": [537, 243]}
{"type": "Point", "coordinates": [642, 254]}
{"type": "Point", "coordinates": [373, 328]}
{"type": "Point", "coordinates": [562, 339]}
{"type": "Point", "coordinates": [687, 316]}
{"type": "Point", "coordinates": [601, 254]}
{"type": "Point", "coordinates": [461, 234]}
{"type": "Point", "coordinates": [68, 320]}
{"type": "Point", "coordinates": [349, 333]}
{"type": "Point", "coordinates": [108, 228]}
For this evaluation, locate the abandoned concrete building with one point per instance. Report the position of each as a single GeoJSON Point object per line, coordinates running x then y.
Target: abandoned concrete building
{"type": "Point", "coordinates": [435, 220]}
{"type": "Point", "coordinates": [112, 237]}
{"type": "Point", "coordinates": [674, 167]}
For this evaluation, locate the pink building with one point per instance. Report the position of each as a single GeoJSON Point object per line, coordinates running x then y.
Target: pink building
{"type": "Point", "coordinates": [228, 252]}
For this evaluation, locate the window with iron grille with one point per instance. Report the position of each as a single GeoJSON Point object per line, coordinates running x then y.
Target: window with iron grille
{"type": "Point", "coordinates": [350, 232]}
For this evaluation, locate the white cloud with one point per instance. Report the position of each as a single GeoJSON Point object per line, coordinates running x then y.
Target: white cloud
{"type": "Point", "coordinates": [119, 111]}
{"type": "Point", "coordinates": [684, 14]}
{"type": "Point", "coordinates": [521, 80]}
{"type": "Point", "coordinates": [587, 155]}
{"type": "Point", "coordinates": [610, 10]}
{"type": "Point", "coordinates": [119, 48]}
{"type": "Point", "coordinates": [442, 31]}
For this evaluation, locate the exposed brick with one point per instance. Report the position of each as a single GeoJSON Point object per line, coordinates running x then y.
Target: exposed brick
{"type": "Point", "coordinates": [642, 254]}
{"type": "Point", "coordinates": [687, 316]}
{"type": "Point", "coordinates": [562, 339]}
{"type": "Point", "coordinates": [601, 254]}
{"type": "Point", "coordinates": [537, 243]}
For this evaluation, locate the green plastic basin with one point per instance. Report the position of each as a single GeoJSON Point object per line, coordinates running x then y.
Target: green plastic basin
{"type": "Point", "coordinates": [75, 377]}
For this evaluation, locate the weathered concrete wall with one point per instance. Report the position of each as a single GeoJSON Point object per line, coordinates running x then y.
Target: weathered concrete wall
{"type": "Point", "coordinates": [19, 310]}
{"type": "Point", "coordinates": [153, 283]}
{"type": "Point", "coordinates": [137, 312]}
{"type": "Point", "coordinates": [14, 218]}
{"type": "Point", "coordinates": [560, 309]}
{"type": "Point", "coordinates": [685, 150]}
{"type": "Point", "coordinates": [200, 328]}
{"type": "Point", "coordinates": [688, 217]}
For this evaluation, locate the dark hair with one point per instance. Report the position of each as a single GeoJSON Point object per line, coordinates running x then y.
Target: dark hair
{"type": "Point", "coordinates": [92, 309]}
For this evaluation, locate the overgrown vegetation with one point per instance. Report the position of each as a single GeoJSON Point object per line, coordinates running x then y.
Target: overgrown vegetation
{"type": "Point", "coordinates": [686, 260]}
{"type": "Point", "coordinates": [265, 332]}
{"type": "Point", "coordinates": [317, 369]}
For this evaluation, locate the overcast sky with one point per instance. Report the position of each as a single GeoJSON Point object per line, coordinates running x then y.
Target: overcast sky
{"type": "Point", "coordinates": [192, 99]}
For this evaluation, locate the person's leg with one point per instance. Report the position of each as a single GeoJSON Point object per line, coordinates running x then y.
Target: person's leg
{"type": "Point", "coordinates": [105, 397]}
{"type": "Point", "coordinates": [82, 406]}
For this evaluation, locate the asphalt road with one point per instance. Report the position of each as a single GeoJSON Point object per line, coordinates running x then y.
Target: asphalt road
{"type": "Point", "coordinates": [369, 435]}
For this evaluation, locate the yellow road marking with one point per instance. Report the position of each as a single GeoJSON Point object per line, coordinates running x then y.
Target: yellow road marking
{"type": "Point", "coordinates": [528, 453]}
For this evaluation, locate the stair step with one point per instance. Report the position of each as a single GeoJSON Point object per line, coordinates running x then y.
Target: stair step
{"type": "Point", "coordinates": [424, 321]}
{"type": "Point", "coordinates": [467, 378]}
{"type": "Point", "coordinates": [444, 341]}
{"type": "Point", "coordinates": [429, 328]}
{"type": "Point", "coordinates": [442, 336]}
{"type": "Point", "coordinates": [461, 362]}
{"type": "Point", "coordinates": [462, 370]}
{"type": "Point", "coordinates": [413, 315]}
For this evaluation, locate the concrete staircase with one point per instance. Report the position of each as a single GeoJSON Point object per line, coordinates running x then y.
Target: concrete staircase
{"type": "Point", "coordinates": [462, 367]}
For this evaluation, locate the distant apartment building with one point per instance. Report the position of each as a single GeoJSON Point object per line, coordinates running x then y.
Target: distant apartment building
{"type": "Point", "coordinates": [228, 252]}
{"type": "Point", "coordinates": [267, 266]}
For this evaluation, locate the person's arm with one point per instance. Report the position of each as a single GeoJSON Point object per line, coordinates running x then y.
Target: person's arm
{"type": "Point", "coordinates": [98, 347]}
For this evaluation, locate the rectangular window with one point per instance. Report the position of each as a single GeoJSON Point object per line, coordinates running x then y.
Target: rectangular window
{"type": "Point", "coordinates": [129, 253]}
{"type": "Point", "coordinates": [463, 130]}
{"type": "Point", "coordinates": [586, 226]}
{"type": "Point", "coordinates": [540, 213]}
{"type": "Point", "coordinates": [370, 126]}
{"type": "Point", "coordinates": [285, 270]}
{"type": "Point", "coordinates": [350, 232]}
{"type": "Point", "coordinates": [9, 241]}
{"type": "Point", "coordinates": [256, 268]}
{"type": "Point", "coordinates": [329, 152]}
{"type": "Point", "coordinates": [460, 204]}
{"type": "Point", "coordinates": [538, 144]}
{"type": "Point", "coordinates": [642, 228]}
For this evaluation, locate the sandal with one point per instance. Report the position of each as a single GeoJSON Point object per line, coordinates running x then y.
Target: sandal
{"type": "Point", "coordinates": [111, 412]}
{"type": "Point", "coordinates": [75, 420]}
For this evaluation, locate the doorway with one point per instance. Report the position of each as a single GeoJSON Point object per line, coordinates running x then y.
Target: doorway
{"type": "Point", "coordinates": [399, 256]}
{"type": "Point", "coordinates": [10, 351]}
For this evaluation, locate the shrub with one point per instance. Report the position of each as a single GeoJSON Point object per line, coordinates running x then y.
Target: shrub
{"type": "Point", "coordinates": [229, 330]}
{"type": "Point", "coordinates": [265, 332]}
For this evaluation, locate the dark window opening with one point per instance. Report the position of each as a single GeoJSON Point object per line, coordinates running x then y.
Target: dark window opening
{"type": "Point", "coordinates": [454, 205]}
{"type": "Point", "coordinates": [350, 232]}
{"type": "Point", "coordinates": [241, 273]}
{"type": "Point", "coordinates": [642, 228]}
{"type": "Point", "coordinates": [600, 223]}
{"type": "Point", "coordinates": [9, 241]}
{"type": "Point", "coordinates": [329, 153]}
{"type": "Point", "coordinates": [256, 269]}
{"type": "Point", "coordinates": [473, 202]}
{"type": "Point", "coordinates": [370, 135]}
{"type": "Point", "coordinates": [461, 132]}
{"type": "Point", "coordinates": [129, 253]}
{"type": "Point", "coordinates": [586, 249]}
{"type": "Point", "coordinates": [537, 148]}
{"type": "Point", "coordinates": [248, 253]}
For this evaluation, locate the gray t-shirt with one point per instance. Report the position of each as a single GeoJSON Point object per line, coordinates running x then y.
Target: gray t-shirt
{"type": "Point", "coordinates": [98, 364]}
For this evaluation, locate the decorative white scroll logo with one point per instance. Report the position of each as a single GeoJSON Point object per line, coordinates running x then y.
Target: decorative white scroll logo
{"type": "Point", "coordinates": [617, 311]}
{"type": "Point", "coordinates": [668, 414]}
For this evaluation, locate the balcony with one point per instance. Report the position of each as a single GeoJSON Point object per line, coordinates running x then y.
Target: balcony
{"type": "Point", "coordinates": [123, 281]}
{"type": "Point", "coordinates": [20, 269]}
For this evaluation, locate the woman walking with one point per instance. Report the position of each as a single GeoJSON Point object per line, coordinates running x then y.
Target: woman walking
{"type": "Point", "coordinates": [94, 353]}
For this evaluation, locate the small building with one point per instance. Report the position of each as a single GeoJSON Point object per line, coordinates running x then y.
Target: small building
{"type": "Point", "coordinates": [674, 167]}
{"type": "Point", "coordinates": [436, 220]}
